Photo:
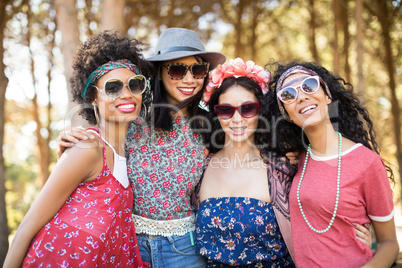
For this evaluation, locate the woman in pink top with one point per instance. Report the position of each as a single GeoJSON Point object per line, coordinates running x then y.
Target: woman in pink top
{"type": "Point", "coordinates": [341, 180]}
{"type": "Point", "coordinates": [82, 216]}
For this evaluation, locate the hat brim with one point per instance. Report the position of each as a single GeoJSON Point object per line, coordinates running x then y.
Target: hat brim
{"type": "Point", "coordinates": [214, 58]}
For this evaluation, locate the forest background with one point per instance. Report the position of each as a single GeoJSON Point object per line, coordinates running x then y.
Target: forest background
{"type": "Point", "coordinates": [360, 40]}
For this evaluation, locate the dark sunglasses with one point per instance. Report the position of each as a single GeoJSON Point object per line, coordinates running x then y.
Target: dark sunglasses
{"type": "Point", "coordinates": [113, 87]}
{"type": "Point", "coordinates": [310, 85]}
{"type": "Point", "coordinates": [247, 110]}
{"type": "Point", "coordinates": [178, 70]}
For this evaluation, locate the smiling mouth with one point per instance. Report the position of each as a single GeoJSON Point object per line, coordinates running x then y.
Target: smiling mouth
{"type": "Point", "coordinates": [186, 90]}
{"type": "Point", "coordinates": [238, 130]}
{"type": "Point", "coordinates": [308, 108]}
{"type": "Point", "coordinates": [127, 107]}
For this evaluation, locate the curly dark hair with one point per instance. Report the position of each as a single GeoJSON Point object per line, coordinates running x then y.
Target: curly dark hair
{"type": "Point", "coordinates": [215, 138]}
{"type": "Point", "coordinates": [347, 115]}
{"type": "Point", "coordinates": [96, 51]}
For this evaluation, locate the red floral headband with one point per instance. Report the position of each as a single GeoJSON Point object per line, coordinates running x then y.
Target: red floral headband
{"type": "Point", "coordinates": [236, 68]}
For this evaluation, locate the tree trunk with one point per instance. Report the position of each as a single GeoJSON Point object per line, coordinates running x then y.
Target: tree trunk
{"type": "Point", "coordinates": [337, 23]}
{"type": "Point", "coordinates": [254, 11]}
{"type": "Point", "coordinates": [311, 31]}
{"type": "Point", "coordinates": [113, 15]}
{"type": "Point", "coordinates": [43, 152]}
{"type": "Point", "coordinates": [359, 50]}
{"type": "Point", "coordinates": [4, 232]}
{"type": "Point", "coordinates": [238, 30]}
{"type": "Point", "coordinates": [383, 18]}
{"type": "Point", "coordinates": [67, 23]}
{"type": "Point", "coordinates": [346, 40]}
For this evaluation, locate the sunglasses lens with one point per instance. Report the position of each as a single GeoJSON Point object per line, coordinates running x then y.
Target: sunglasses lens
{"type": "Point", "coordinates": [199, 71]}
{"type": "Point", "coordinates": [137, 85]}
{"type": "Point", "coordinates": [310, 85]}
{"type": "Point", "coordinates": [224, 112]}
{"type": "Point", "coordinates": [248, 110]}
{"type": "Point", "coordinates": [177, 71]}
{"type": "Point", "coordinates": [113, 88]}
{"type": "Point", "coordinates": [288, 95]}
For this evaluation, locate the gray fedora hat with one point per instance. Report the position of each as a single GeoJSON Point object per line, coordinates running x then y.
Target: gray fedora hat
{"type": "Point", "coordinates": [175, 43]}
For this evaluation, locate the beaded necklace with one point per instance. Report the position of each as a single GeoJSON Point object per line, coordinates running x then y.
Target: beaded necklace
{"type": "Point", "coordinates": [338, 182]}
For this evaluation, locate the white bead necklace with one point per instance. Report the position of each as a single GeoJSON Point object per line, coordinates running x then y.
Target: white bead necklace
{"type": "Point", "coordinates": [338, 182]}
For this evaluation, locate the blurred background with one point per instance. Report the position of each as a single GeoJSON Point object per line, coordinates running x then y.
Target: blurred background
{"type": "Point", "coordinates": [360, 40]}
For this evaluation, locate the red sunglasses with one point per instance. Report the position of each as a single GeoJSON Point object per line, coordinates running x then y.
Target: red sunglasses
{"type": "Point", "coordinates": [246, 110]}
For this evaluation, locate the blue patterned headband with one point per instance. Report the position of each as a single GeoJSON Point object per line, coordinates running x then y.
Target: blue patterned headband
{"type": "Point", "coordinates": [107, 67]}
{"type": "Point", "coordinates": [294, 70]}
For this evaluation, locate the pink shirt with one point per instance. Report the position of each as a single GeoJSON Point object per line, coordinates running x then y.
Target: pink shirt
{"type": "Point", "coordinates": [365, 195]}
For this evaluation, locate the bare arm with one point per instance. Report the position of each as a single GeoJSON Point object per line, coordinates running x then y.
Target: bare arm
{"type": "Point", "coordinates": [387, 245]}
{"type": "Point", "coordinates": [70, 170]}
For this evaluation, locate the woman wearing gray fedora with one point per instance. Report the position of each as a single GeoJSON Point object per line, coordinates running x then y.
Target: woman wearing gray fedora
{"type": "Point", "coordinates": [165, 151]}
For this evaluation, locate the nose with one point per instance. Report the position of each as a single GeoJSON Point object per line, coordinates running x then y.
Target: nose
{"type": "Point", "coordinates": [126, 93]}
{"type": "Point", "coordinates": [188, 77]}
{"type": "Point", "coordinates": [301, 95]}
{"type": "Point", "coordinates": [237, 116]}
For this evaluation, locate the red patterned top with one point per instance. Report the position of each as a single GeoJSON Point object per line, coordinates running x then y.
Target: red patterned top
{"type": "Point", "coordinates": [93, 228]}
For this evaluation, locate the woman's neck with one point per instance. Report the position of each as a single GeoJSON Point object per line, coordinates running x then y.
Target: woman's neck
{"type": "Point", "coordinates": [243, 150]}
{"type": "Point", "coordinates": [181, 112]}
{"type": "Point", "coordinates": [323, 140]}
{"type": "Point", "coordinates": [115, 135]}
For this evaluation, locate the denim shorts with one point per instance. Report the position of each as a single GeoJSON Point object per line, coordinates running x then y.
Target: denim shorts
{"type": "Point", "coordinates": [169, 252]}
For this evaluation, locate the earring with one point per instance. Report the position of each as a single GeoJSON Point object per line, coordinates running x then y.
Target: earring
{"type": "Point", "coordinates": [145, 110]}
{"type": "Point", "coordinates": [96, 114]}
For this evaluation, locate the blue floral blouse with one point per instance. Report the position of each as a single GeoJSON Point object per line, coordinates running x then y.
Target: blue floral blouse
{"type": "Point", "coordinates": [240, 231]}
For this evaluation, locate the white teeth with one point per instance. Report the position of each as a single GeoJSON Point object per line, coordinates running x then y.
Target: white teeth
{"type": "Point", "coordinates": [238, 129]}
{"type": "Point", "coordinates": [127, 106]}
{"type": "Point", "coordinates": [308, 108]}
{"type": "Point", "coordinates": [186, 89]}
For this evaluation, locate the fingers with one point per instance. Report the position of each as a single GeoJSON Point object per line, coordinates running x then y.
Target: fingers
{"type": "Point", "coordinates": [363, 234]}
{"type": "Point", "coordinates": [292, 154]}
{"type": "Point", "coordinates": [292, 157]}
{"type": "Point", "coordinates": [294, 161]}
{"type": "Point", "coordinates": [62, 147]}
{"type": "Point", "coordinates": [70, 136]}
{"type": "Point", "coordinates": [74, 135]}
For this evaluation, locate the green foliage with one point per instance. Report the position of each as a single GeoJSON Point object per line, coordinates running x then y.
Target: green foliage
{"type": "Point", "coordinates": [21, 191]}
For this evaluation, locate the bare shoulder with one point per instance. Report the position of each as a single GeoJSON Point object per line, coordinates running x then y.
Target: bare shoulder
{"type": "Point", "coordinates": [86, 153]}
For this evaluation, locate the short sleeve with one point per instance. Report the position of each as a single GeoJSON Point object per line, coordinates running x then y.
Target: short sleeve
{"type": "Point", "coordinates": [377, 192]}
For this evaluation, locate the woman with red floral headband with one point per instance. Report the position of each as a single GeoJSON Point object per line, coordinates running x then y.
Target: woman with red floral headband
{"type": "Point", "coordinates": [238, 220]}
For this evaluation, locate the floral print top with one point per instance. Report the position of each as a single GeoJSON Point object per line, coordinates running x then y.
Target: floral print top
{"type": "Point", "coordinates": [164, 167]}
{"type": "Point", "coordinates": [240, 231]}
{"type": "Point", "coordinates": [92, 229]}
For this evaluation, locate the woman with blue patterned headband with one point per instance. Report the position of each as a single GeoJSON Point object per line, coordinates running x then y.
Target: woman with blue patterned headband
{"type": "Point", "coordinates": [165, 151]}
{"type": "Point", "coordinates": [342, 180]}
{"type": "Point", "coordinates": [82, 216]}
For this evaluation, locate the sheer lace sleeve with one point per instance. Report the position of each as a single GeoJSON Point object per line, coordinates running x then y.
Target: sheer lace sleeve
{"type": "Point", "coordinates": [280, 176]}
